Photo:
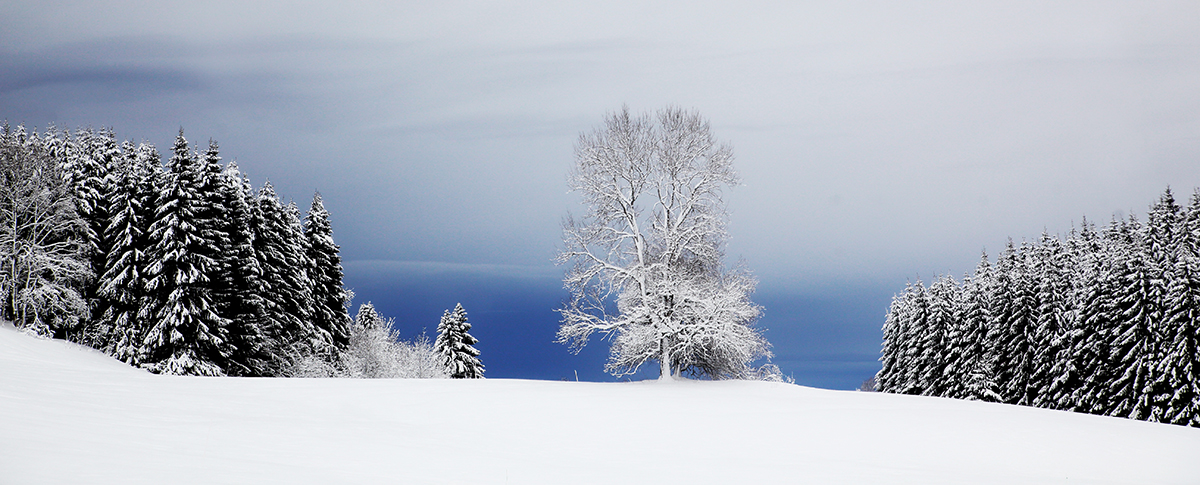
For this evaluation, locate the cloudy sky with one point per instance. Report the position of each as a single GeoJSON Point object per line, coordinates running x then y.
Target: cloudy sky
{"type": "Point", "coordinates": [878, 142]}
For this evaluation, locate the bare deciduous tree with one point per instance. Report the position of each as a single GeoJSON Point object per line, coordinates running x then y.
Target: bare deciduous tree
{"type": "Point", "coordinates": [42, 261]}
{"type": "Point", "coordinates": [653, 240]}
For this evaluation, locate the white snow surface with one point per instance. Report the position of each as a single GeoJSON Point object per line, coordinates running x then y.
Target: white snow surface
{"type": "Point", "coordinates": [72, 415]}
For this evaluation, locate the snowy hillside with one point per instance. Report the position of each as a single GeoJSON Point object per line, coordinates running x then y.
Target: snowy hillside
{"type": "Point", "coordinates": [72, 415]}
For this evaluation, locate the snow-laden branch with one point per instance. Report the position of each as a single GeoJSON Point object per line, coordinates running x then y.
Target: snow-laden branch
{"type": "Point", "coordinates": [41, 256]}
{"type": "Point", "coordinates": [646, 256]}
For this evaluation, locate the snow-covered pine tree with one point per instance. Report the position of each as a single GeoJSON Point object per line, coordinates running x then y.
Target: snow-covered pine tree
{"type": "Point", "coordinates": [255, 350]}
{"type": "Point", "coordinates": [92, 159]}
{"type": "Point", "coordinates": [122, 287]}
{"type": "Point", "coordinates": [913, 322]}
{"type": "Point", "coordinates": [1062, 377]}
{"type": "Point", "coordinates": [268, 243]}
{"type": "Point", "coordinates": [889, 375]}
{"type": "Point", "coordinates": [285, 285]}
{"type": "Point", "coordinates": [96, 332]}
{"type": "Point", "coordinates": [943, 296]}
{"type": "Point", "coordinates": [1049, 339]}
{"type": "Point", "coordinates": [1087, 296]}
{"type": "Point", "coordinates": [1191, 224]}
{"type": "Point", "coordinates": [331, 300]}
{"type": "Point", "coordinates": [58, 146]}
{"type": "Point", "coordinates": [368, 317]}
{"type": "Point", "coordinates": [298, 257]}
{"type": "Point", "coordinates": [1180, 367]}
{"type": "Point", "coordinates": [211, 220]}
{"type": "Point", "coordinates": [978, 354]}
{"type": "Point", "coordinates": [1021, 328]}
{"type": "Point", "coordinates": [1178, 373]}
{"type": "Point", "coordinates": [1097, 278]}
{"type": "Point", "coordinates": [186, 336]}
{"type": "Point", "coordinates": [1005, 312]}
{"type": "Point", "coordinates": [455, 345]}
{"type": "Point", "coordinates": [1164, 246]}
{"type": "Point", "coordinates": [1137, 312]}
{"type": "Point", "coordinates": [957, 373]}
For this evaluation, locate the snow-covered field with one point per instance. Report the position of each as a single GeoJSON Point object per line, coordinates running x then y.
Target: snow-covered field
{"type": "Point", "coordinates": [72, 415]}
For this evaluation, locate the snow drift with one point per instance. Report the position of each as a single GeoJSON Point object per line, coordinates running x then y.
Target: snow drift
{"type": "Point", "coordinates": [72, 415]}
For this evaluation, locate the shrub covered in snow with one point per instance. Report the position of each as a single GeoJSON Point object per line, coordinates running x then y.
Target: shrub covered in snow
{"type": "Point", "coordinates": [375, 352]}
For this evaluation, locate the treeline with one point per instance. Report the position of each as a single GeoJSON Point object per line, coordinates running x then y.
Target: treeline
{"type": "Point", "coordinates": [1101, 321]}
{"type": "Point", "coordinates": [179, 268]}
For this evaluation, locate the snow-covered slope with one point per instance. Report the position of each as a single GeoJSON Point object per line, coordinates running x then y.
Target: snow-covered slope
{"type": "Point", "coordinates": [72, 415]}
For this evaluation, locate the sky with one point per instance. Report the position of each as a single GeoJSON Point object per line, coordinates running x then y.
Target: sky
{"type": "Point", "coordinates": [878, 142]}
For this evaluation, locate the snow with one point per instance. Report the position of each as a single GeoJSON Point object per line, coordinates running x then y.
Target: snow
{"type": "Point", "coordinates": [72, 415]}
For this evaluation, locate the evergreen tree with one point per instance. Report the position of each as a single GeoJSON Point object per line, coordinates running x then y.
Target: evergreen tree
{"type": "Point", "coordinates": [186, 336]}
{"type": "Point", "coordinates": [1097, 320]}
{"type": "Point", "coordinates": [302, 306]}
{"type": "Point", "coordinates": [1011, 318]}
{"type": "Point", "coordinates": [455, 345]}
{"type": "Point", "coordinates": [1190, 225]}
{"type": "Point", "coordinates": [934, 347]}
{"type": "Point", "coordinates": [1050, 342]}
{"type": "Point", "coordinates": [1137, 311]}
{"type": "Point", "coordinates": [1164, 247]}
{"type": "Point", "coordinates": [330, 298]}
{"type": "Point", "coordinates": [1178, 375]}
{"type": "Point", "coordinates": [256, 351]}
{"type": "Point", "coordinates": [1063, 377]}
{"type": "Point", "coordinates": [87, 160]}
{"type": "Point", "coordinates": [978, 354]}
{"type": "Point", "coordinates": [92, 157]}
{"type": "Point", "coordinates": [955, 373]}
{"type": "Point", "coordinates": [913, 322]}
{"type": "Point", "coordinates": [212, 223]}
{"type": "Point", "coordinates": [194, 275]}
{"type": "Point", "coordinates": [368, 317]}
{"type": "Point", "coordinates": [284, 285]}
{"type": "Point", "coordinates": [888, 377]}
{"type": "Point", "coordinates": [121, 289]}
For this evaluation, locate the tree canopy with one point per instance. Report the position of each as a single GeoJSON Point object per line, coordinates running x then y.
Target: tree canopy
{"type": "Point", "coordinates": [652, 241]}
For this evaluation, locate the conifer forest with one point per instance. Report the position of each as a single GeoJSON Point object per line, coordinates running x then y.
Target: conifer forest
{"type": "Point", "coordinates": [179, 267]}
{"type": "Point", "coordinates": [1102, 321]}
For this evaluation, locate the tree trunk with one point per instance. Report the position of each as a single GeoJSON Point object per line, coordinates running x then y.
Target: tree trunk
{"type": "Point", "coordinates": [664, 360]}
